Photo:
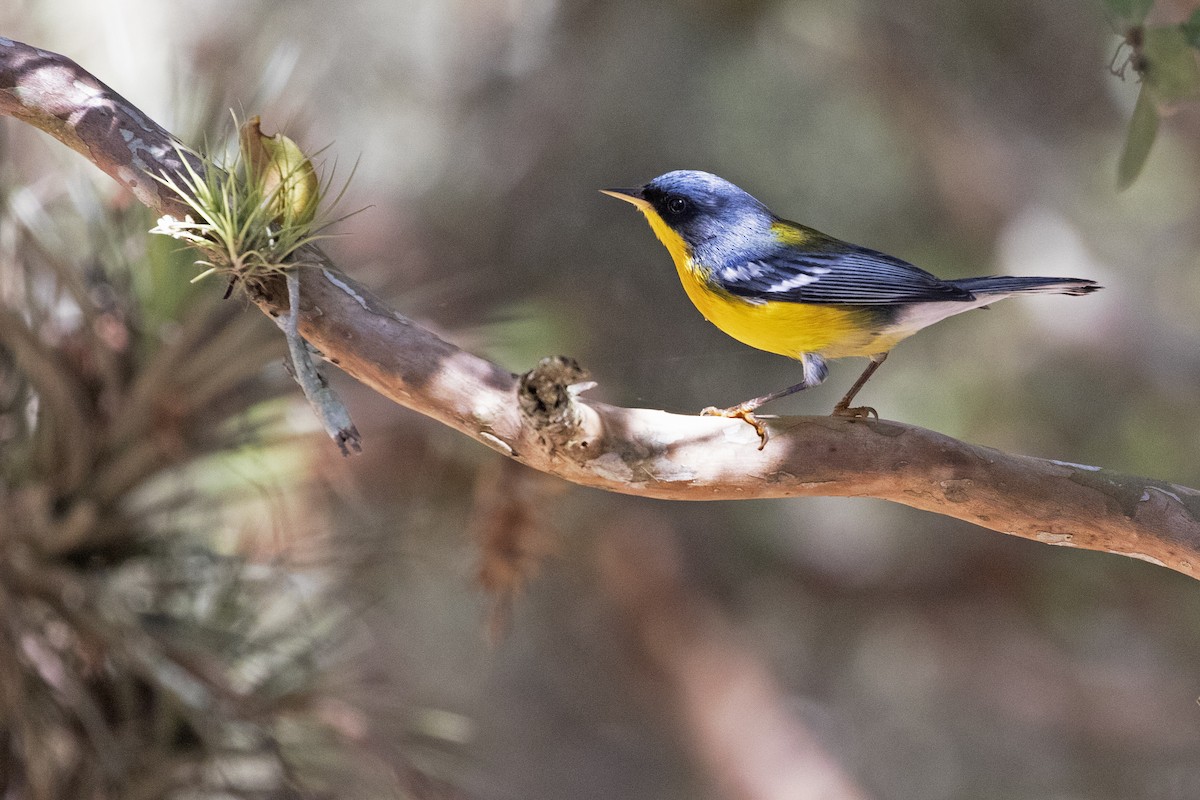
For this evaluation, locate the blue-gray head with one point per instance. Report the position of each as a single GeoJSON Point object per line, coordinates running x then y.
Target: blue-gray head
{"type": "Point", "coordinates": [706, 211]}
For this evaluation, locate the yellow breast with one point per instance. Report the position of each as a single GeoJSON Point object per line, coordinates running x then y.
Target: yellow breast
{"type": "Point", "coordinates": [788, 329]}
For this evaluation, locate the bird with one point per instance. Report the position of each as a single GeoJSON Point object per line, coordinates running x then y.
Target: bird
{"type": "Point", "coordinates": [789, 289]}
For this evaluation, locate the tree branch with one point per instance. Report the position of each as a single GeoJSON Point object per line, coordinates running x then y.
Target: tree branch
{"type": "Point", "coordinates": [735, 715]}
{"type": "Point", "coordinates": [634, 451]}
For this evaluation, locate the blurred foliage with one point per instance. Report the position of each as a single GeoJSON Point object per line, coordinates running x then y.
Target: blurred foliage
{"type": "Point", "coordinates": [1191, 29]}
{"type": "Point", "coordinates": [155, 642]}
{"type": "Point", "coordinates": [1143, 128]}
{"type": "Point", "coordinates": [933, 659]}
{"type": "Point", "coordinates": [1132, 10]}
{"type": "Point", "coordinates": [1163, 57]}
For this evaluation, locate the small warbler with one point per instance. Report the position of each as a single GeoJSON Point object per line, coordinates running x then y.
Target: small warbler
{"type": "Point", "coordinates": [792, 290]}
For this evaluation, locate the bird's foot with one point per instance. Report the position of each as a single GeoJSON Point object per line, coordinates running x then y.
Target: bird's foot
{"type": "Point", "coordinates": [744, 412]}
{"type": "Point", "coordinates": [859, 412]}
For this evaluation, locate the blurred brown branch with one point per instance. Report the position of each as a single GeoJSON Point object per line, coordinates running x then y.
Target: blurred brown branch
{"type": "Point", "coordinates": [634, 451]}
{"type": "Point", "coordinates": [734, 712]}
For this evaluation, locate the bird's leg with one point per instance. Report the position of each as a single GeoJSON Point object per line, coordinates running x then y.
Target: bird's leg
{"type": "Point", "coordinates": [843, 409]}
{"type": "Point", "coordinates": [814, 373]}
{"type": "Point", "coordinates": [745, 410]}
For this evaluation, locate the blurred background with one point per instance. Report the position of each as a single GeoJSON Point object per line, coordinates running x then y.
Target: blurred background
{"type": "Point", "coordinates": [228, 608]}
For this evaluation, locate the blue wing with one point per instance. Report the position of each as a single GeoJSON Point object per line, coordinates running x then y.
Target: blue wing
{"type": "Point", "coordinates": [834, 272]}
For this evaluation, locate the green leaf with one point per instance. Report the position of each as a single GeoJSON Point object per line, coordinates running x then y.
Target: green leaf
{"type": "Point", "coordinates": [1171, 71]}
{"type": "Point", "coordinates": [1143, 127]}
{"type": "Point", "coordinates": [1191, 29]}
{"type": "Point", "coordinates": [1133, 11]}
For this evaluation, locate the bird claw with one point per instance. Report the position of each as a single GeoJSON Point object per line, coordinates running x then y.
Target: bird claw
{"type": "Point", "coordinates": [744, 413]}
{"type": "Point", "coordinates": [859, 412]}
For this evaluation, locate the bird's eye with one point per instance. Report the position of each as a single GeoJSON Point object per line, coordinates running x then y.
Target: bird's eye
{"type": "Point", "coordinates": [677, 205]}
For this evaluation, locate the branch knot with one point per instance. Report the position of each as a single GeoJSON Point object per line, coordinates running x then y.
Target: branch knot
{"type": "Point", "coordinates": [546, 395]}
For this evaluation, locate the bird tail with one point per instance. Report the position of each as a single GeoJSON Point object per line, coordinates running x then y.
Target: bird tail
{"type": "Point", "coordinates": [1005, 285]}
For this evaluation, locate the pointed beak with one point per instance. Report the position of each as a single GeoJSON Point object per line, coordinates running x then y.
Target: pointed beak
{"type": "Point", "coordinates": [633, 196]}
